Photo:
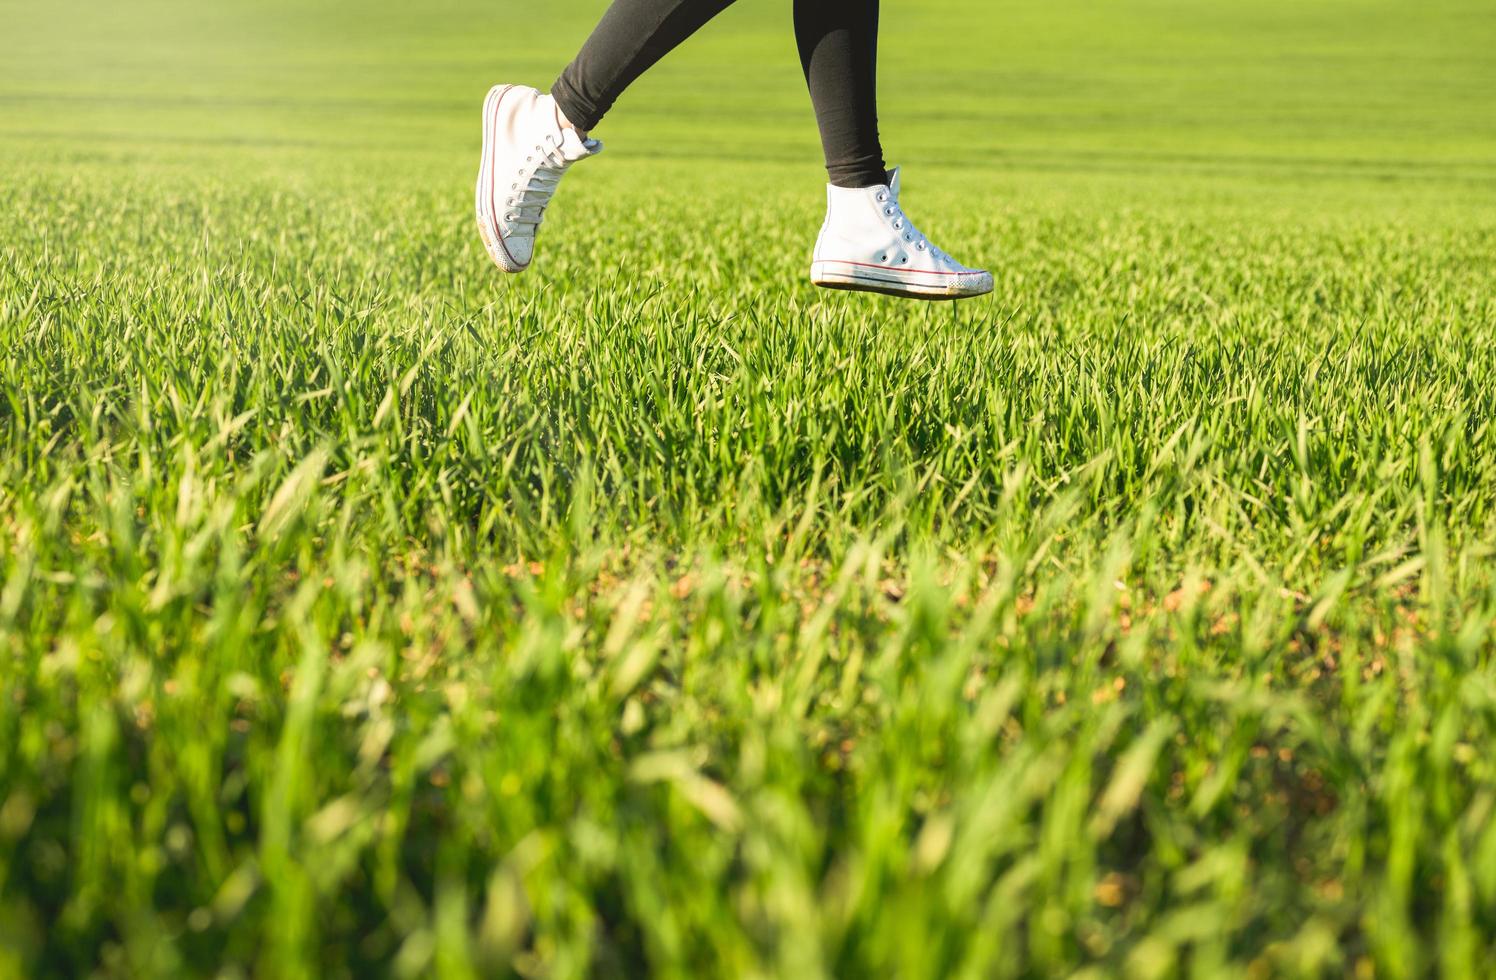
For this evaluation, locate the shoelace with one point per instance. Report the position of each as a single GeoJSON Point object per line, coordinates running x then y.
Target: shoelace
{"type": "Point", "coordinates": [527, 206]}
{"type": "Point", "coordinates": [901, 223]}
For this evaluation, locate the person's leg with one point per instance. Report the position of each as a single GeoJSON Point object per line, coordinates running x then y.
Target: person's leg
{"type": "Point", "coordinates": [867, 242]}
{"type": "Point", "coordinates": [838, 42]}
{"type": "Point", "coordinates": [530, 138]}
{"type": "Point", "coordinates": [632, 36]}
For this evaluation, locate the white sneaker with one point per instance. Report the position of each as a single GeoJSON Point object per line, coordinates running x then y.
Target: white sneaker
{"type": "Point", "coordinates": [867, 243]}
{"type": "Point", "coordinates": [525, 152]}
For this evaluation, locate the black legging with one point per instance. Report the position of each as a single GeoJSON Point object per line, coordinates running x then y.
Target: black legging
{"type": "Point", "coordinates": [838, 41]}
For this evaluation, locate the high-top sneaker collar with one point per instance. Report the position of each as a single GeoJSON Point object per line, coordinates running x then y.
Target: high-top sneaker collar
{"type": "Point", "coordinates": [573, 147]}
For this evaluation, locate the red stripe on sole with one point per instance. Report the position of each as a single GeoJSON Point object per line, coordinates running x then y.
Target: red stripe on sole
{"type": "Point", "coordinates": [493, 209]}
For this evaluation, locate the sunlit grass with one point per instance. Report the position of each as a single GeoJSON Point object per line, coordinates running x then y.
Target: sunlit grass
{"type": "Point", "coordinates": [362, 612]}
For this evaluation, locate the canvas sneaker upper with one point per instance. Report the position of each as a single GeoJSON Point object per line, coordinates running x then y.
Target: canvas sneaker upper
{"type": "Point", "coordinates": [868, 238]}
{"type": "Point", "coordinates": [526, 151]}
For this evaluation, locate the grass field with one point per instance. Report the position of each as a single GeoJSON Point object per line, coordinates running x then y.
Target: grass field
{"type": "Point", "coordinates": [364, 612]}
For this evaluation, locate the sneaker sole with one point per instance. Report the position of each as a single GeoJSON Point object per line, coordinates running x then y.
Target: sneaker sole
{"type": "Point", "coordinates": [493, 239]}
{"type": "Point", "coordinates": [898, 282]}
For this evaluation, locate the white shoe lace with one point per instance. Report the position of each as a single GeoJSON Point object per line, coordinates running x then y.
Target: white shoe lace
{"type": "Point", "coordinates": [527, 201]}
{"type": "Point", "coordinates": [900, 222]}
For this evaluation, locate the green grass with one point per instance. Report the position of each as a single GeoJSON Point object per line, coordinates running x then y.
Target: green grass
{"type": "Point", "coordinates": [363, 611]}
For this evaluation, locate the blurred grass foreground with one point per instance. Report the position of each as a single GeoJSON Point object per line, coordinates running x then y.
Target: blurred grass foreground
{"type": "Point", "coordinates": [365, 612]}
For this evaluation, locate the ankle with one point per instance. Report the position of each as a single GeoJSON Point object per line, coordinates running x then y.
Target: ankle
{"type": "Point", "coordinates": [565, 123]}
